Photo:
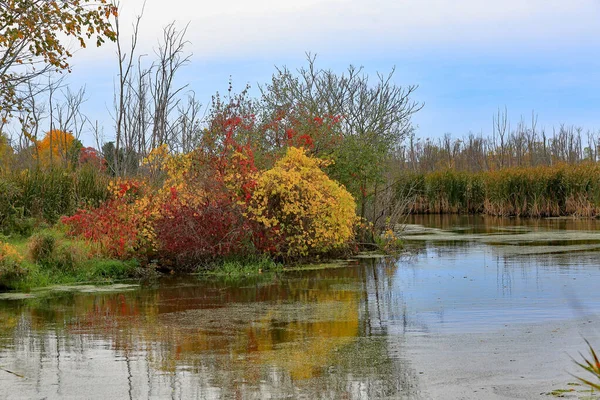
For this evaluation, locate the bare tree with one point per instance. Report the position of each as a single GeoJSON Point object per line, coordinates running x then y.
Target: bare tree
{"type": "Point", "coordinates": [500, 128]}
{"type": "Point", "coordinates": [171, 58]}
{"type": "Point", "coordinates": [121, 96]}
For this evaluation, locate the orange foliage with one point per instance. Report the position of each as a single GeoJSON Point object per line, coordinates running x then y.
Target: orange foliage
{"type": "Point", "coordinates": [56, 147]}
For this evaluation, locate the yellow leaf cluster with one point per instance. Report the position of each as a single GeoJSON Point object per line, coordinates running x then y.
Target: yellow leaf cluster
{"type": "Point", "coordinates": [310, 212]}
{"type": "Point", "coordinates": [176, 170]}
{"type": "Point", "coordinates": [8, 251]}
{"type": "Point", "coordinates": [140, 207]}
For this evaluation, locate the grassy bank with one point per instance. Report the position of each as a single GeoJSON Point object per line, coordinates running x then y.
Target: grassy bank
{"type": "Point", "coordinates": [561, 190]}
{"type": "Point", "coordinates": [48, 258]}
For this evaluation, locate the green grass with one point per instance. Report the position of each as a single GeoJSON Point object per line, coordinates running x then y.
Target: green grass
{"type": "Point", "coordinates": [51, 267]}
{"type": "Point", "coordinates": [242, 267]}
{"type": "Point", "coordinates": [96, 271]}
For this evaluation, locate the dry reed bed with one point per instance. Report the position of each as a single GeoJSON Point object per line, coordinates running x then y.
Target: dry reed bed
{"type": "Point", "coordinates": [559, 190]}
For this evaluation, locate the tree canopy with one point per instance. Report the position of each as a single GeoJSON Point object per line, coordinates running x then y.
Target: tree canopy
{"type": "Point", "coordinates": [32, 36]}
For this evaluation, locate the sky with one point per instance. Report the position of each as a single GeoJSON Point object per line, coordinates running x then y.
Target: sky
{"type": "Point", "coordinates": [468, 57]}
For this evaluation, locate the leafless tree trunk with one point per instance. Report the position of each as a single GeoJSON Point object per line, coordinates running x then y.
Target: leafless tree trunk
{"type": "Point", "coordinates": [125, 64]}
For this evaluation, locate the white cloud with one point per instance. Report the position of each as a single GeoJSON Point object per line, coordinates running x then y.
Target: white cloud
{"type": "Point", "coordinates": [241, 28]}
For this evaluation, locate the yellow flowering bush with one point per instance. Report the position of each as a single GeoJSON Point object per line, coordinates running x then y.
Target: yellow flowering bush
{"type": "Point", "coordinates": [305, 211]}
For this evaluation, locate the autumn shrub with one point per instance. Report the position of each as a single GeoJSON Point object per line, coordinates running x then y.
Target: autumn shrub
{"type": "Point", "coordinates": [11, 265]}
{"type": "Point", "coordinates": [212, 204]}
{"type": "Point", "coordinates": [303, 211]}
{"type": "Point", "coordinates": [193, 233]}
{"type": "Point", "coordinates": [119, 228]}
{"type": "Point", "coordinates": [201, 205]}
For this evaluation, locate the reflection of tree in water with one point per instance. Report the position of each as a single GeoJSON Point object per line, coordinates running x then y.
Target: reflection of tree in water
{"type": "Point", "coordinates": [491, 224]}
{"type": "Point", "coordinates": [530, 266]}
{"type": "Point", "coordinates": [300, 335]}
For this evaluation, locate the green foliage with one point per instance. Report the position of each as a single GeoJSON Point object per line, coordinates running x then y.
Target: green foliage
{"type": "Point", "coordinates": [12, 217]}
{"type": "Point", "coordinates": [452, 191]}
{"type": "Point", "coordinates": [53, 259]}
{"type": "Point", "coordinates": [93, 270]}
{"type": "Point", "coordinates": [6, 153]}
{"type": "Point", "coordinates": [42, 247]}
{"type": "Point", "coordinates": [349, 117]}
{"type": "Point", "coordinates": [240, 267]}
{"type": "Point", "coordinates": [359, 164]}
{"type": "Point", "coordinates": [113, 269]}
{"type": "Point", "coordinates": [388, 242]}
{"type": "Point", "coordinates": [45, 194]}
{"type": "Point", "coordinates": [69, 256]}
{"type": "Point", "coordinates": [50, 250]}
{"type": "Point", "coordinates": [126, 162]}
{"type": "Point", "coordinates": [89, 187]}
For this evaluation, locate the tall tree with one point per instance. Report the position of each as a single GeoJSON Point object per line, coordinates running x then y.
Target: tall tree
{"type": "Point", "coordinates": [373, 118]}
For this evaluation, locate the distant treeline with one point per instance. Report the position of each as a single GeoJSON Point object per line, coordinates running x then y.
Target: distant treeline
{"type": "Point", "coordinates": [524, 146]}
{"type": "Point", "coordinates": [525, 171]}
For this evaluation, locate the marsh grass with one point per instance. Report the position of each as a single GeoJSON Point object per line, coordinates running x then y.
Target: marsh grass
{"type": "Point", "coordinates": [560, 190]}
{"type": "Point", "coordinates": [96, 271]}
{"type": "Point", "coordinates": [35, 196]}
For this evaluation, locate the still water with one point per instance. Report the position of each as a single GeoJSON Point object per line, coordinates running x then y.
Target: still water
{"type": "Point", "coordinates": [328, 333]}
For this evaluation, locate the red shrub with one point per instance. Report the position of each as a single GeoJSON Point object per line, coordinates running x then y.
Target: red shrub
{"type": "Point", "coordinates": [89, 156]}
{"type": "Point", "coordinates": [119, 228]}
{"type": "Point", "coordinates": [192, 233]}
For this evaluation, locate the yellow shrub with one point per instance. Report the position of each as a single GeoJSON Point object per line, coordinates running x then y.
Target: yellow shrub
{"type": "Point", "coordinates": [306, 210]}
{"type": "Point", "coordinates": [10, 264]}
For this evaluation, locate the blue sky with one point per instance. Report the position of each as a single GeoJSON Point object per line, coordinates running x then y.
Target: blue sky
{"type": "Point", "coordinates": [468, 57]}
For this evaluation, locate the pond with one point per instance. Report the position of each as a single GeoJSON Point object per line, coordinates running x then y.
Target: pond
{"type": "Point", "coordinates": [477, 308]}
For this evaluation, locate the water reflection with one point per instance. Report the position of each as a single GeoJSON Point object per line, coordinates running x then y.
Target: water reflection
{"type": "Point", "coordinates": [315, 334]}
{"type": "Point", "coordinates": [336, 333]}
{"type": "Point", "coordinates": [489, 224]}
